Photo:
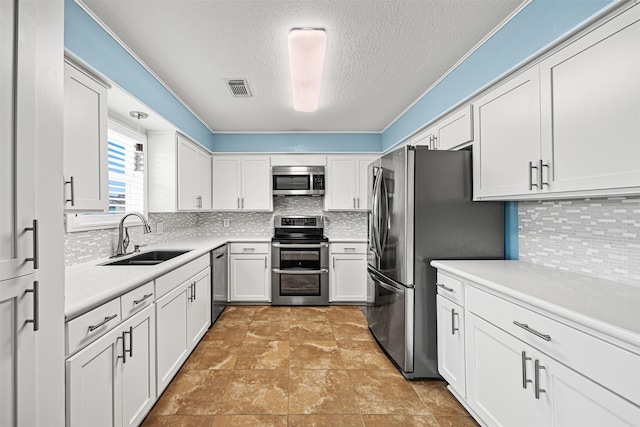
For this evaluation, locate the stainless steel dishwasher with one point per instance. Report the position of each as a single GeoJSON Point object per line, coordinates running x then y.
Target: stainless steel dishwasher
{"type": "Point", "coordinates": [219, 281]}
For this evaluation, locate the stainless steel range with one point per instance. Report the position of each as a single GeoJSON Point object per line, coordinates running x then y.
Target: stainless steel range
{"type": "Point", "coordinates": [299, 261]}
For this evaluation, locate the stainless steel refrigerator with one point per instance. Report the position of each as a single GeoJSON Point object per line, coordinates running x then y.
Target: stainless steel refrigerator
{"type": "Point", "coordinates": [420, 208]}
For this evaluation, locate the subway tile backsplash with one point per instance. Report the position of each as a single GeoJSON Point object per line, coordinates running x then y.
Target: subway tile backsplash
{"type": "Point", "coordinates": [598, 237]}
{"type": "Point", "coordinates": [85, 246]}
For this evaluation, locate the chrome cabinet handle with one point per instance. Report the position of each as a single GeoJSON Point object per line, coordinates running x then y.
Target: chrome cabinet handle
{"type": "Point", "coordinates": [138, 301]}
{"type": "Point", "coordinates": [435, 142]}
{"type": "Point", "coordinates": [354, 203]}
{"type": "Point", "coordinates": [124, 350]}
{"type": "Point", "coordinates": [238, 202]}
{"type": "Point", "coordinates": [349, 249]}
{"type": "Point", "coordinates": [542, 165]}
{"type": "Point", "coordinates": [453, 322]}
{"type": "Point", "coordinates": [333, 260]}
{"type": "Point", "coordinates": [533, 331]}
{"type": "Point", "coordinates": [248, 249]}
{"type": "Point", "coordinates": [536, 377]}
{"type": "Point", "coordinates": [195, 293]}
{"type": "Point", "coordinates": [440, 285]}
{"type": "Point", "coordinates": [525, 381]}
{"type": "Point", "coordinates": [104, 322]}
{"type": "Point", "coordinates": [123, 356]}
{"type": "Point", "coordinates": [199, 202]}
{"type": "Point", "coordinates": [265, 263]}
{"type": "Point", "coordinates": [36, 251]}
{"type": "Point", "coordinates": [36, 306]}
{"type": "Point", "coordinates": [72, 187]}
{"type": "Point", "coordinates": [242, 202]}
{"type": "Point", "coordinates": [300, 272]}
{"type": "Point", "coordinates": [531, 168]}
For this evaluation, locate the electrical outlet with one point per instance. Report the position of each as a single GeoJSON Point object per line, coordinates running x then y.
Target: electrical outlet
{"type": "Point", "coordinates": [225, 222]}
{"type": "Point", "coordinates": [159, 227]}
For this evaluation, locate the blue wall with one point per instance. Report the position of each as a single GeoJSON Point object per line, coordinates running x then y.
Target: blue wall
{"type": "Point", "coordinates": [297, 142]}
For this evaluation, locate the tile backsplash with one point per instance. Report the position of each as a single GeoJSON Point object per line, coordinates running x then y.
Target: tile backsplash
{"type": "Point", "coordinates": [597, 237]}
{"type": "Point", "coordinates": [85, 246]}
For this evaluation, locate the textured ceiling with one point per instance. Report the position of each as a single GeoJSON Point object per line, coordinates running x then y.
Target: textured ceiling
{"type": "Point", "coordinates": [381, 54]}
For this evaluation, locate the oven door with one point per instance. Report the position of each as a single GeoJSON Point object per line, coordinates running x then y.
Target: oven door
{"type": "Point", "coordinates": [300, 274]}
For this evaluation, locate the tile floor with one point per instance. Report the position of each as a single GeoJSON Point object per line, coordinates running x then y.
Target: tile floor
{"type": "Point", "coordinates": [298, 366]}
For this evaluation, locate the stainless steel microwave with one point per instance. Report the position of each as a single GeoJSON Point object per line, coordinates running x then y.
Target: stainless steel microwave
{"type": "Point", "coordinates": [298, 180]}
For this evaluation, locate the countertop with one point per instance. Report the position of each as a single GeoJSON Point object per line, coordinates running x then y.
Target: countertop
{"type": "Point", "coordinates": [609, 307]}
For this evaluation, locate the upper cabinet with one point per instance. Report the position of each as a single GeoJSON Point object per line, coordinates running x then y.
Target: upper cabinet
{"type": "Point", "coordinates": [179, 174]}
{"type": "Point", "coordinates": [346, 187]}
{"type": "Point", "coordinates": [453, 131]}
{"type": "Point", "coordinates": [242, 183]}
{"type": "Point", "coordinates": [568, 126]}
{"type": "Point", "coordinates": [85, 141]}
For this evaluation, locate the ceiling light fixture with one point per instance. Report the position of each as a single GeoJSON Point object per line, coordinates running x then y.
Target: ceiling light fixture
{"type": "Point", "coordinates": [307, 47]}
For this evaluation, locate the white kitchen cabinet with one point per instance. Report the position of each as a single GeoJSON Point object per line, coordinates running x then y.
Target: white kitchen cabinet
{"type": "Point", "coordinates": [111, 382]}
{"type": "Point", "coordinates": [451, 335]}
{"type": "Point", "coordinates": [199, 308]}
{"type": "Point", "coordinates": [590, 103]}
{"type": "Point", "coordinates": [249, 278]}
{"type": "Point", "coordinates": [242, 183]}
{"type": "Point", "coordinates": [85, 141]}
{"type": "Point", "coordinates": [453, 131]}
{"type": "Point", "coordinates": [348, 272]}
{"type": "Point", "coordinates": [346, 187]}
{"type": "Point", "coordinates": [179, 174]}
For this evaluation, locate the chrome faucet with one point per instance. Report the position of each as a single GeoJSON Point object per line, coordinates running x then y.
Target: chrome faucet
{"type": "Point", "coordinates": [123, 233]}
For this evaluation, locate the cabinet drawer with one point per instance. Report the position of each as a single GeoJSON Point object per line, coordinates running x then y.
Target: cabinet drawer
{"type": "Point", "coordinates": [88, 327]}
{"type": "Point", "coordinates": [249, 248]}
{"type": "Point", "coordinates": [176, 277]}
{"type": "Point", "coordinates": [137, 299]}
{"type": "Point", "coordinates": [450, 288]}
{"type": "Point", "coordinates": [613, 367]}
{"type": "Point", "coordinates": [348, 248]}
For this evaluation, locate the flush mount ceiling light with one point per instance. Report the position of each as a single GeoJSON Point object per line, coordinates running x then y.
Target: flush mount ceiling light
{"type": "Point", "coordinates": [307, 47]}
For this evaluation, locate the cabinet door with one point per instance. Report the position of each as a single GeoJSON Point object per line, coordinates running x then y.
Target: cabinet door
{"type": "Point", "coordinates": [94, 383]}
{"type": "Point", "coordinates": [451, 344]}
{"type": "Point", "coordinates": [348, 278]}
{"type": "Point", "coordinates": [172, 345]}
{"type": "Point", "coordinates": [499, 376]}
{"type": "Point", "coordinates": [455, 130]}
{"type": "Point", "coordinates": [139, 370]}
{"type": "Point", "coordinates": [507, 138]}
{"type": "Point", "coordinates": [199, 312]}
{"type": "Point", "coordinates": [362, 163]}
{"type": "Point", "coordinates": [426, 138]}
{"type": "Point", "coordinates": [590, 105]}
{"type": "Point", "coordinates": [17, 353]}
{"type": "Point", "coordinates": [249, 278]}
{"type": "Point", "coordinates": [187, 175]}
{"type": "Point", "coordinates": [256, 183]}
{"type": "Point", "coordinates": [85, 141]}
{"type": "Point", "coordinates": [341, 183]}
{"type": "Point", "coordinates": [226, 182]}
{"type": "Point", "coordinates": [204, 180]}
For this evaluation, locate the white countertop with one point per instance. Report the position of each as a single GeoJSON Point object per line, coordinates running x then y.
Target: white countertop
{"type": "Point", "coordinates": [347, 240]}
{"type": "Point", "coordinates": [91, 284]}
{"type": "Point", "coordinates": [609, 307]}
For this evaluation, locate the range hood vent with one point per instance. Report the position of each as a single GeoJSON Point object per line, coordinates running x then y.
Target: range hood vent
{"type": "Point", "coordinates": [239, 88]}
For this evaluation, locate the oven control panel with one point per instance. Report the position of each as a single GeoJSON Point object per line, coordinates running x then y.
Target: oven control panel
{"type": "Point", "coordinates": [299, 221]}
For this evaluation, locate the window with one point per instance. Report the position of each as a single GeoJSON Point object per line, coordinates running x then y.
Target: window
{"type": "Point", "coordinates": [127, 178]}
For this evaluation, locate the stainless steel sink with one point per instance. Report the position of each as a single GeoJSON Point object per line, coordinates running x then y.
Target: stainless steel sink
{"type": "Point", "coordinates": [148, 258]}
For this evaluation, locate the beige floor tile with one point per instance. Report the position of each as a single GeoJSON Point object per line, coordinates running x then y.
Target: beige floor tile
{"type": "Point", "coordinates": [250, 420]}
{"type": "Point", "coordinates": [321, 392]}
{"type": "Point", "coordinates": [228, 330]}
{"type": "Point", "coordinates": [193, 393]}
{"type": "Point", "coordinates": [383, 392]}
{"type": "Point", "coordinates": [309, 313]}
{"type": "Point", "coordinates": [178, 421]}
{"type": "Point", "coordinates": [438, 399]}
{"type": "Point", "coordinates": [351, 330]}
{"type": "Point", "coordinates": [268, 330]}
{"type": "Point", "coordinates": [325, 421]}
{"type": "Point", "coordinates": [213, 355]}
{"type": "Point", "coordinates": [346, 313]}
{"type": "Point", "coordinates": [363, 355]}
{"type": "Point", "coordinates": [263, 355]}
{"type": "Point", "coordinates": [256, 392]}
{"type": "Point", "coordinates": [315, 355]}
{"type": "Point", "coordinates": [271, 313]}
{"type": "Point", "coordinates": [239, 312]}
{"type": "Point", "coordinates": [311, 330]}
{"type": "Point", "coordinates": [399, 421]}
{"type": "Point", "coordinates": [456, 421]}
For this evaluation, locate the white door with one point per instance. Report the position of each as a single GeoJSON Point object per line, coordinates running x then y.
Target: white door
{"type": "Point", "coordinates": [17, 353]}
{"type": "Point", "coordinates": [455, 130]}
{"type": "Point", "coordinates": [94, 383]}
{"type": "Point", "coordinates": [499, 375]}
{"type": "Point", "coordinates": [349, 278]}
{"type": "Point", "coordinates": [248, 278]}
{"type": "Point", "coordinates": [362, 181]}
{"type": "Point", "coordinates": [451, 344]}
{"type": "Point", "coordinates": [199, 312]}
{"type": "Point", "coordinates": [590, 107]}
{"type": "Point", "coordinates": [226, 182]}
{"type": "Point", "coordinates": [187, 175]}
{"type": "Point", "coordinates": [139, 369]}
{"type": "Point", "coordinates": [172, 344]}
{"type": "Point", "coordinates": [341, 183]}
{"type": "Point", "coordinates": [85, 141]}
{"type": "Point", "coordinates": [256, 183]}
{"type": "Point", "coordinates": [507, 138]}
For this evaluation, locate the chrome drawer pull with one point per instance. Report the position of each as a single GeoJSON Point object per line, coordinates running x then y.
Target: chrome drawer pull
{"type": "Point", "coordinates": [124, 334]}
{"type": "Point", "coordinates": [525, 381]}
{"type": "Point", "coordinates": [537, 389]}
{"type": "Point", "coordinates": [531, 183]}
{"type": "Point", "coordinates": [36, 251]}
{"type": "Point", "coordinates": [104, 322]}
{"type": "Point", "coordinates": [440, 285]}
{"type": "Point", "coordinates": [73, 198]}
{"type": "Point", "coordinates": [534, 332]}
{"type": "Point", "coordinates": [138, 301]}
{"type": "Point", "coordinates": [36, 306]}
{"type": "Point", "coordinates": [453, 322]}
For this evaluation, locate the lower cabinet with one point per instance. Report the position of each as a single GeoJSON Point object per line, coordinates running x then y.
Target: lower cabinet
{"type": "Point", "coordinates": [348, 273]}
{"type": "Point", "coordinates": [112, 381]}
{"type": "Point", "coordinates": [249, 278]}
{"type": "Point", "coordinates": [451, 338]}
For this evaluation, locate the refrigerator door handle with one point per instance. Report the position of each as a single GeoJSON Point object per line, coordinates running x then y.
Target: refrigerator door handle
{"type": "Point", "coordinates": [376, 212]}
{"type": "Point", "coordinates": [386, 223]}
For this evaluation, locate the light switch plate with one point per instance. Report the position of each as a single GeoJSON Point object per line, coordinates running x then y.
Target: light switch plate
{"type": "Point", "coordinates": [225, 222]}
{"type": "Point", "coordinates": [159, 227]}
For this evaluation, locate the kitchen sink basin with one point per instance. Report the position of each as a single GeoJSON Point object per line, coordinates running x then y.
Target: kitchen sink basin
{"type": "Point", "coordinates": [148, 258]}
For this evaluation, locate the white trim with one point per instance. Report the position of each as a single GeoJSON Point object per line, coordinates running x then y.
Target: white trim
{"type": "Point", "coordinates": [374, 132]}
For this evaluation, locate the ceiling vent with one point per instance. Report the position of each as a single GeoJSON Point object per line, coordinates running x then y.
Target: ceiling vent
{"type": "Point", "coordinates": [239, 88]}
